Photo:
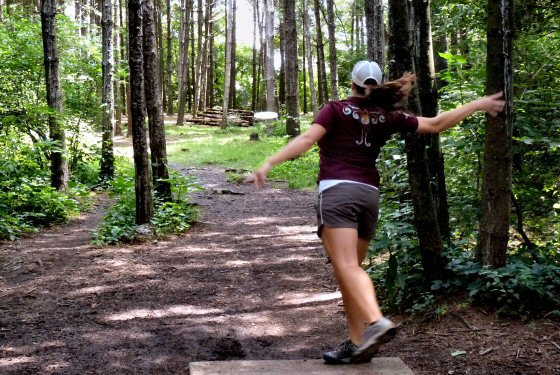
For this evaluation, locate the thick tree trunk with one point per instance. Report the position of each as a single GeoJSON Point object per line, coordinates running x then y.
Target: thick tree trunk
{"type": "Point", "coordinates": [496, 186]}
{"type": "Point", "coordinates": [321, 70]}
{"type": "Point", "coordinates": [333, 59]}
{"type": "Point", "coordinates": [431, 245]}
{"type": "Point", "coordinates": [107, 164]}
{"type": "Point", "coordinates": [59, 162]}
{"type": "Point", "coordinates": [292, 70]}
{"type": "Point", "coordinates": [154, 105]}
{"type": "Point", "coordinates": [143, 183]}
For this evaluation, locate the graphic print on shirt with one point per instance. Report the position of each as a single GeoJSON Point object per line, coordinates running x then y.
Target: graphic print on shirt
{"type": "Point", "coordinates": [365, 119]}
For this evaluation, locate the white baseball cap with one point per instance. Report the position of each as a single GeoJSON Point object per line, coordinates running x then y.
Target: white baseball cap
{"type": "Point", "coordinates": [364, 70]}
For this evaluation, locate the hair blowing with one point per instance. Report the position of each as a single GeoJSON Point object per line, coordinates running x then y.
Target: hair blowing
{"type": "Point", "coordinates": [394, 94]}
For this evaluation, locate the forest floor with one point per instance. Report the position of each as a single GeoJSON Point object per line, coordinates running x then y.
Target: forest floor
{"type": "Point", "coordinates": [249, 281]}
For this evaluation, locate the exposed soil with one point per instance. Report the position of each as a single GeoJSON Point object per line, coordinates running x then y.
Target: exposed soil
{"type": "Point", "coordinates": [250, 281]}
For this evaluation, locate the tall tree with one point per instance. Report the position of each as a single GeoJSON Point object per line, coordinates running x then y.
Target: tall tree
{"type": "Point", "coordinates": [107, 164]}
{"type": "Point", "coordinates": [269, 57]}
{"type": "Point", "coordinates": [169, 60]}
{"type": "Point", "coordinates": [321, 69]}
{"type": "Point", "coordinates": [119, 97]}
{"type": "Point", "coordinates": [375, 25]}
{"type": "Point", "coordinates": [309, 51]}
{"type": "Point", "coordinates": [427, 94]}
{"type": "Point", "coordinates": [292, 70]}
{"type": "Point", "coordinates": [333, 58]}
{"type": "Point", "coordinates": [400, 51]}
{"type": "Point", "coordinates": [184, 59]}
{"type": "Point", "coordinates": [233, 60]}
{"type": "Point", "coordinates": [143, 183]}
{"type": "Point", "coordinates": [154, 103]}
{"type": "Point", "coordinates": [229, 47]}
{"type": "Point", "coordinates": [59, 162]}
{"type": "Point", "coordinates": [496, 186]}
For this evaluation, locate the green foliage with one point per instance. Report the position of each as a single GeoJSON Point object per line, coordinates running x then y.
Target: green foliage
{"type": "Point", "coordinates": [173, 217]}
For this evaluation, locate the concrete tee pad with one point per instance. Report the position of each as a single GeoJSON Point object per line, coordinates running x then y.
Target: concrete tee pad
{"type": "Point", "coordinates": [378, 366]}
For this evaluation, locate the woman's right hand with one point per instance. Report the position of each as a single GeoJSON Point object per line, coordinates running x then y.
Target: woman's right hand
{"type": "Point", "coordinates": [258, 177]}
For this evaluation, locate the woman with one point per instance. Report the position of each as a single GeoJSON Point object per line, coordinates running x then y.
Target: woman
{"type": "Point", "coordinates": [350, 134]}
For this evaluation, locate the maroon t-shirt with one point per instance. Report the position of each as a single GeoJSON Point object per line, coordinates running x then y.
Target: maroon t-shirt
{"type": "Point", "coordinates": [356, 131]}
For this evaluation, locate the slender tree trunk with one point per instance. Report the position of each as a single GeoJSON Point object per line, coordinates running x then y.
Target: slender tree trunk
{"type": "Point", "coordinates": [255, 91]}
{"type": "Point", "coordinates": [169, 61]}
{"type": "Point", "coordinates": [143, 182]}
{"type": "Point", "coordinates": [161, 53]}
{"type": "Point", "coordinates": [307, 41]}
{"type": "Point", "coordinates": [292, 69]}
{"type": "Point", "coordinates": [59, 162]}
{"type": "Point", "coordinates": [375, 25]}
{"type": "Point", "coordinates": [431, 245]}
{"type": "Point", "coordinates": [118, 84]}
{"type": "Point", "coordinates": [269, 57]}
{"type": "Point", "coordinates": [205, 52]}
{"type": "Point", "coordinates": [233, 61]}
{"type": "Point", "coordinates": [184, 60]}
{"type": "Point", "coordinates": [229, 47]}
{"type": "Point", "coordinates": [282, 74]}
{"type": "Point", "coordinates": [428, 102]}
{"type": "Point", "coordinates": [333, 59]}
{"type": "Point", "coordinates": [107, 164]}
{"type": "Point", "coordinates": [496, 186]}
{"type": "Point", "coordinates": [321, 70]}
{"type": "Point", "coordinates": [154, 105]}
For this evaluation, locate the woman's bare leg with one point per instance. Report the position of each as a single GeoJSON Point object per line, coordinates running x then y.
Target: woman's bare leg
{"type": "Point", "coordinates": [347, 252]}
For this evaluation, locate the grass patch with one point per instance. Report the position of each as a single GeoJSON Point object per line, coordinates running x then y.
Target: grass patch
{"type": "Point", "coordinates": [199, 145]}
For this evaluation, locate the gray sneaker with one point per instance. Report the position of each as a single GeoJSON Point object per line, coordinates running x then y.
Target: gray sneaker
{"type": "Point", "coordinates": [375, 334]}
{"type": "Point", "coordinates": [343, 354]}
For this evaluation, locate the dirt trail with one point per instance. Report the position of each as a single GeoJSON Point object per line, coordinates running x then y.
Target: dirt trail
{"type": "Point", "coordinates": [250, 281]}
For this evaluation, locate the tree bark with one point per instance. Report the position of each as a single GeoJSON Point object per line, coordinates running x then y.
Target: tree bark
{"type": "Point", "coordinates": [107, 164]}
{"type": "Point", "coordinates": [229, 47]}
{"type": "Point", "coordinates": [117, 81]}
{"type": "Point", "coordinates": [59, 162]}
{"type": "Point", "coordinates": [269, 57]}
{"type": "Point", "coordinates": [321, 70]}
{"type": "Point", "coordinates": [431, 245]}
{"type": "Point", "coordinates": [169, 61]}
{"type": "Point", "coordinates": [375, 26]}
{"type": "Point", "coordinates": [333, 59]}
{"type": "Point", "coordinates": [427, 94]}
{"type": "Point", "coordinates": [184, 60]}
{"type": "Point", "coordinates": [307, 43]}
{"type": "Point", "coordinates": [292, 69]}
{"type": "Point", "coordinates": [154, 105]}
{"type": "Point", "coordinates": [143, 183]}
{"type": "Point", "coordinates": [496, 186]}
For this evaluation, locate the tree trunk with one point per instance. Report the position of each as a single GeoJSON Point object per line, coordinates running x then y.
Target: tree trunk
{"type": "Point", "coordinates": [143, 183]}
{"type": "Point", "coordinates": [333, 59]}
{"type": "Point", "coordinates": [117, 81]}
{"type": "Point", "coordinates": [59, 162]}
{"type": "Point", "coordinates": [321, 70]}
{"type": "Point", "coordinates": [292, 70]}
{"type": "Point", "coordinates": [184, 60]}
{"type": "Point", "coordinates": [107, 163]}
{"type": "Point", "coordinates": [229, 47]}
{"type": "Point", "coordinates": [375, 25]}
{"type": "Point", "coordinates": [205, 52]}
{"type": "Point", "coordinates": [233, 60]}
{"type": "Point", "coordinates": [169, 62]}
{"type": "Point", "coordinates": [307, 43]}
{"type": "Point", "coordinates": [431, 245]}
{"type": "Point", "coordinates": [154, 105]}
{"type": "Point", "coordinates": [255, 91]}
{"type": "Point", "coordinates": [496, 186]}
{"type": "Point", "coordinates": [427, 94]}
{"type": "Point", "coordinates": [269, 57]}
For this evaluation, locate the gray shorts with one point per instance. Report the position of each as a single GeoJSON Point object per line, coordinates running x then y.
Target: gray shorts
{"type": "Point", "coordinates": [348, 205]}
